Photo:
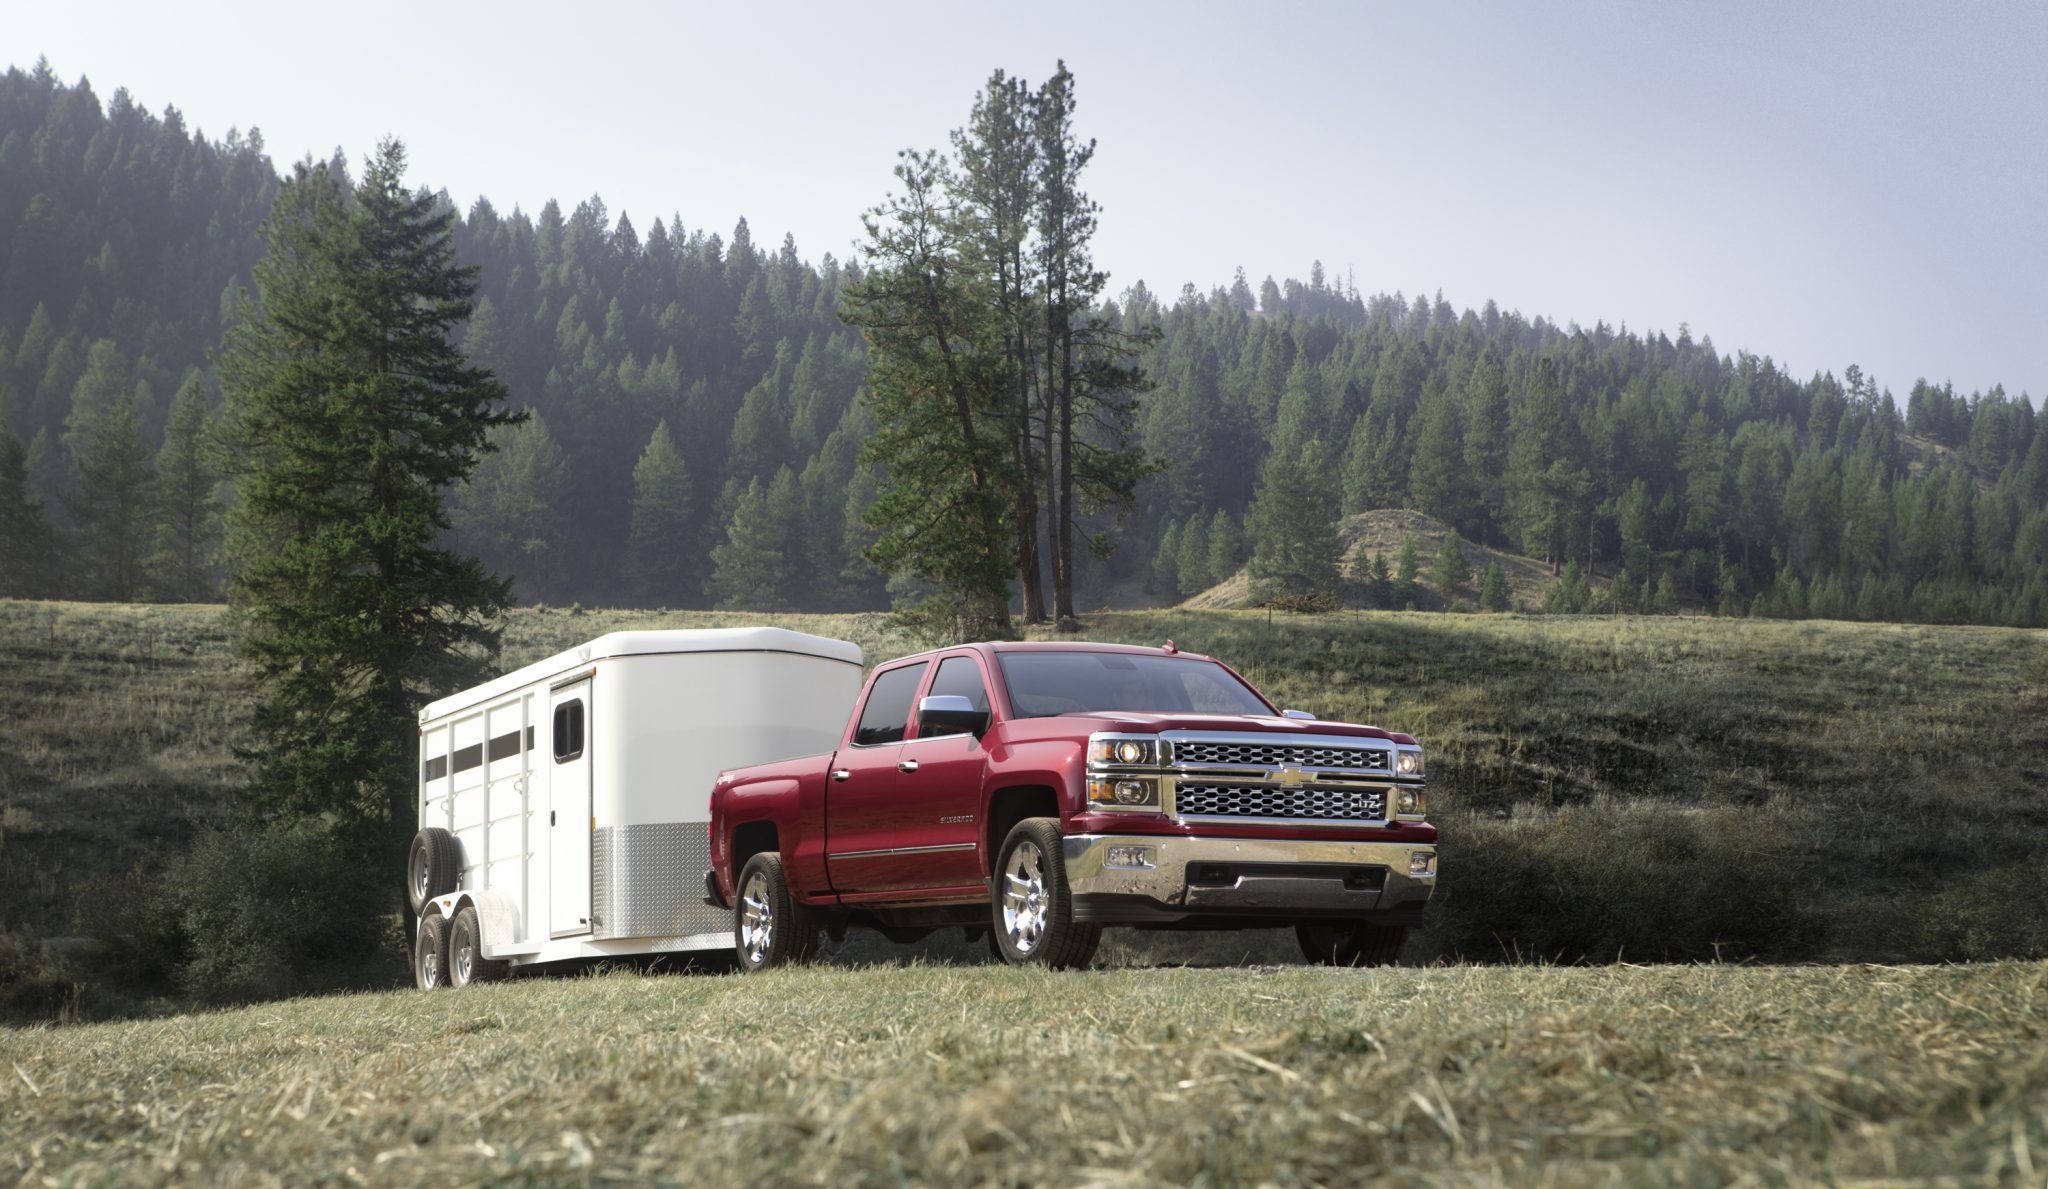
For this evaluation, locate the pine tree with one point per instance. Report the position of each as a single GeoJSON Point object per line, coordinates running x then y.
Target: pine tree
{"type": "Point", "coordinates": [757, 566]}
{"type": "Point", "coordinates": [27, 546]}
{"type": "Point", "coordinates": [1293, 527]}
{"type": "Point", "coordinates": [1166, 562]}
{"type": "Point", "coordinates": [112, 506]}
{"type": "Point", "coordinates": [1493, 589]}
{"type": "Point", "coordinates": [183, 566]}
{"type": "Point", "coordinates": [1408, 564]}
{"type": "Point", "coordinates": [1194, 558]}
{"type": "Point", "coordinates": [943, 514]}
{"type": "Point", "coordinates": [509, 512]}
{"type": "Point", "coordinates": [1226, 546]}
{"type": "Point", "coordinates": [661, 524]}
{"type": "Point", "coordinates": [353, 414]}
{"type": "Point", "coordinates": [1452, 571]}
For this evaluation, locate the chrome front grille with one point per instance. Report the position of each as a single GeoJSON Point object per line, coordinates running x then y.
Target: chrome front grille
{"type": "Point", "coordinates": [1273, 801]}
{"type": "Point", "coordinates": [1214, 753]}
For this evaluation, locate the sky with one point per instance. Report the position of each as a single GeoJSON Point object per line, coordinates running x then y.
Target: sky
{"type": "Point", "coordinates": [1824, 183]}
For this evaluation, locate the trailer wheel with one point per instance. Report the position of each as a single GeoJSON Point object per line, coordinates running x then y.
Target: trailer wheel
{"type": "Point", "coordinates": [466, 961]}
{"type": "Point", "coordinates": [430, 953]}
{"type": "Point", "coordinates": [769, 927]}
{"type": "Point", "coordinates": [1350, 943]}
{"type": "Point", "coordinates": [431, 866]}
{"type": "Point", "coordinates": [1032, 906]}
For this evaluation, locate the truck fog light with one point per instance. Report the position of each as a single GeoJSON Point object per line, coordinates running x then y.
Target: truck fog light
{"type": "Point", "coordinates": [1123, 794]}
{"type": "Point", "coordinates": [1421, 864]}
{"type": "Point", "coordinates": [1129, 857]}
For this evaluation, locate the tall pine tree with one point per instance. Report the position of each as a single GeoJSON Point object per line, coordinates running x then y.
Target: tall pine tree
{"type": "Point", "coordinates": [353, 414]}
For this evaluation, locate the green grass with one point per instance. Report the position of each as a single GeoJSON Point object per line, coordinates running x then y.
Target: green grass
{"type": "Point", "coordinates": [1662, 788]}
{"type": "Point", "coordinates": [985, 1075]}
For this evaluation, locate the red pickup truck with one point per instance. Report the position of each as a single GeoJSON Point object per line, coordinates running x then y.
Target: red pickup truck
{"type": "Point", "coordinates": [1041, 791]}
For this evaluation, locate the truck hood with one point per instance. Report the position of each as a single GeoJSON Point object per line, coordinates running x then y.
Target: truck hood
{"type": "Point", "coordinates": [1148, 724]}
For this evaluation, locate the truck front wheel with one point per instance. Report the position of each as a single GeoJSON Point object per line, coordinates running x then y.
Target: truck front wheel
{"type": "Point", "coordinates": [1032, 905]}
{"type": "Point", "coordinates": [769, 927]}
{"type": "Point", "coordinates": [1350, 943]}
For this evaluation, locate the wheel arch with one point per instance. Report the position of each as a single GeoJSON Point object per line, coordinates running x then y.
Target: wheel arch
{"type": "Point", "coordinates": [1009, 805]}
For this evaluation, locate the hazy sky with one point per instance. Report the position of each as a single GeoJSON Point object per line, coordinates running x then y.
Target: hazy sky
{"type": "Point", "coordinates": [1824, 183]}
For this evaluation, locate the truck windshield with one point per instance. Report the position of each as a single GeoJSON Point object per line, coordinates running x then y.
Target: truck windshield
{"type": "Point", "coordinates": [1048, 683]}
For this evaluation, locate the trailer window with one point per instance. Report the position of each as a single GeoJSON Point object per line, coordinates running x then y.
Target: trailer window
{"type": "Point", "coordinates": [569, 731]}
{"type": "Point", "coordinates": [887, 712]}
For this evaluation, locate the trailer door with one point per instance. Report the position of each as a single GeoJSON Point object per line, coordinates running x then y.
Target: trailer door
{"type": "Point", "coordinates": [569, 811]}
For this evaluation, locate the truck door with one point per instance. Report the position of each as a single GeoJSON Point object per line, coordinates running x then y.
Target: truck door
{"type": "Point", "coordinates": [866, 822]}
{"type": "Point", "coordinates": [569, 811]}
{"type": "Point", "coordinates": [941, 786]}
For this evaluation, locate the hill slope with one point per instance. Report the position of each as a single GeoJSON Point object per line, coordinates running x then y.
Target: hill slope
{"type": "Point", "coordinates": [1384, 531]}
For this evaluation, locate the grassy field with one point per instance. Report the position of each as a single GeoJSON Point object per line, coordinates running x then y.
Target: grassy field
{"type": "Point", "coordinates": [1661, 788]}
{"type": "Point", "coordinates": [978, 1074]}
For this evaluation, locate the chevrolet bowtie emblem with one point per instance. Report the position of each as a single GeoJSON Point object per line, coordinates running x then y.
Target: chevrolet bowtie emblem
{"type": "Point", "coordinates": [1291, 776]}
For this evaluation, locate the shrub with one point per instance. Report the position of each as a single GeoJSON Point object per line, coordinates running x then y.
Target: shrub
{"type": "Point", "coordinates": [277, 909]}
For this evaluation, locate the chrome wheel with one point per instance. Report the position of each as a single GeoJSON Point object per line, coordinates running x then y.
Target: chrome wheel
{"type": "Point", "coordinates": [757, 918]}
{"type": "Point", "coordinates": [1024, 898]}
{"type": "Point", "coordinates": [419, 875]}
{"type": "Point", "coordinates": [463, 963]}
{"type": "Point", "coordinates": [430, 970]}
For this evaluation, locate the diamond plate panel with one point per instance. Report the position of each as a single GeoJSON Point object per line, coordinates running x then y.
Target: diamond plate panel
{"type": "Point", "coordinates": [1278, 755]}
{"type": "Point", "coordinates": [1315, 804]}
{"type": "Point", "coordinates": [648, 881]}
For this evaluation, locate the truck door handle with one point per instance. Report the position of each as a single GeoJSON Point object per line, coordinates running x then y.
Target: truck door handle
{"type": "Point", "coordinates": [906, 766]}
{"type": "Point", "coordinates": [841, 774]}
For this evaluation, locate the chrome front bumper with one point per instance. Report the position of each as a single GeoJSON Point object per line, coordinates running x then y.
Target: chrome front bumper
{"type": "Point", "coordinates": [1182, 877]}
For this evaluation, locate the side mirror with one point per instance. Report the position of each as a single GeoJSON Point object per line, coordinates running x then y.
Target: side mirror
{"type": "Point", "coordinates": [1297, 714]}
{"type": "Point", "coordinates": [949, 714]}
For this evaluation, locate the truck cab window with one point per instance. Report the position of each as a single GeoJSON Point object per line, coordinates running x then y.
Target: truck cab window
{"type": "Point", "coordinates": [887, 712]}
{"type": "Point", "coordinates": [960, 677]}
{"type": "Point", "coordinates": [568, 731]}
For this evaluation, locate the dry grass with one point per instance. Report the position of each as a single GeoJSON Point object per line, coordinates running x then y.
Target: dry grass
{"type": "Point", "coordinates": [984, 1075]}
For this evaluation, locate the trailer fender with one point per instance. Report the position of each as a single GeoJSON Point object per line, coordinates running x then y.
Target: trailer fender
{"type": "Point", "coordinates": [497, 917]}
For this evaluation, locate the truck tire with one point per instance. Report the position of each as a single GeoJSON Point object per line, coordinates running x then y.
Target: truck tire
{"type": "Point", "coordinates": [431, 866]}
{"type": "Point", "coordinates": [1032, 906]}
{"type": "Point", "coordinates": [466, 961]}
{"type": "Point", "coordinates": [1350, 943]}
{"type": "Point", "coordinates": [769, 927]}
{"type": "Point", "coordinates": [430, 953]}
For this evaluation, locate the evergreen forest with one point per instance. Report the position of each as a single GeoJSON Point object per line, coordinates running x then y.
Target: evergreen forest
{"type": "Point", "coordinates": [699, 414]}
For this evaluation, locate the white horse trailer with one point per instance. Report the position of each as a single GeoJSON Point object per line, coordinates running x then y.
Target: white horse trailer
{"type": "Point", "coordinates": [564, 808]}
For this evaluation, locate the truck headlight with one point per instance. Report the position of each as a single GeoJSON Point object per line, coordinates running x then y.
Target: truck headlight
{"type": "Point", "coordinates": [1136, 751]}
{"type": "Point", "coordinates": [1410, 803]}
{"type": "Point", "coordinates": [1124, 792]}
{"type": "Point", "coordinates": [1409, 762]}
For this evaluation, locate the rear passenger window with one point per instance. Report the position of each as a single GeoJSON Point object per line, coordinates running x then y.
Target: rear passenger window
{"type": "Point", "coordinates": [887, 712]}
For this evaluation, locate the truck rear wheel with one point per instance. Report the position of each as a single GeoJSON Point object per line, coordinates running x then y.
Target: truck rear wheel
{"type": "Point", "coordinates": [769, 927]}
{"type": "Point", "coordinates": [430, 953]}
{"type": "Point", "coordinates": [1350, 943]}
{"type": "Point", "coordinates": [466, 961]}
{"type": "Point", "coordinates": [431, 866]}
{"type": "Point", "coordinates": [1032, 905]}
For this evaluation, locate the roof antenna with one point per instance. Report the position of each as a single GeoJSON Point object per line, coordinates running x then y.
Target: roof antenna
{"type": "Point", "coordinates": [1171, 648]}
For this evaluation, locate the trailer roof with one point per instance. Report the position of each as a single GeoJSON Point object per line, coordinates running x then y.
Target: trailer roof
{"type": "Point", "coordinates": [652, 643]}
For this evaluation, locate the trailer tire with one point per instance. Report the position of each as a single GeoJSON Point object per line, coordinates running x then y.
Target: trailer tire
{"type": "Point", "coordinates": [431, 866]}
{"type": "Point", "coordinates": [430, 953]}
{"type": "Point", "coordinates": [1031, 905]}
{"type": "Point", "coordinates": [769, 926]}
{"type": "Point", "coordinates": [1350, 943]}
{"type": "Point", "coordinates": [466, 961]}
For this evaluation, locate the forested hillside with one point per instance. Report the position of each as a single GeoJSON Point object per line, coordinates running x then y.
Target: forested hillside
{"type": "Point", "coordinates": [698, 418]}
